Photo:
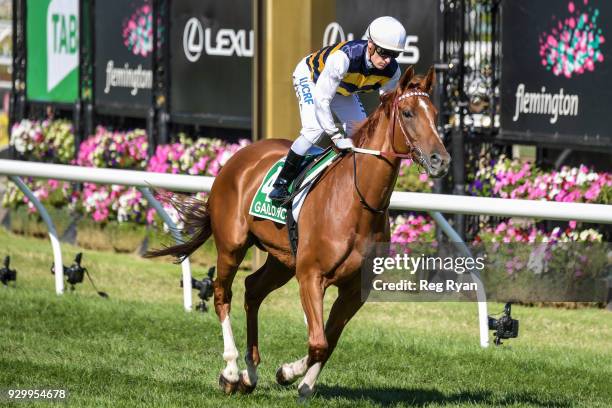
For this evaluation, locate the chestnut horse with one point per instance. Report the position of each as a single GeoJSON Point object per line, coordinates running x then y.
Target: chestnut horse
{"type": "Point", "coordinates": [338, 224]}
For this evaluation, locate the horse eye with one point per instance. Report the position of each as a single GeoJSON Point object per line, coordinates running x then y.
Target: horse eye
{"type": "Point", "coordinates": [407, 114]}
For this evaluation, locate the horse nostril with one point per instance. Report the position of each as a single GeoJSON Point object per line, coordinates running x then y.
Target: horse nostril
{"type": "Point", "coordinates": [435, 160]}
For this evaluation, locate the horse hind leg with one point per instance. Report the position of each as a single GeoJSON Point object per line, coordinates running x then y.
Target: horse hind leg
{"type": "Point", "coordinates": [272, 275]}
{"type": "Point", "coordinates": [288, 373]}
{"type": "Point", "coordinates": [227, 266]}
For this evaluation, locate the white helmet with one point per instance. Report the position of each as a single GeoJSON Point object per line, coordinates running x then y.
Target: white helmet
{"type": "Point", "coordinates": [388, 33]}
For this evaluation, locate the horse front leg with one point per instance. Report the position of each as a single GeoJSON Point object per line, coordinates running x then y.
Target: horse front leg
{"type": "Point", "coordinates": [344, 308]}
{"type": "Point", "coordinates": [311, 295]}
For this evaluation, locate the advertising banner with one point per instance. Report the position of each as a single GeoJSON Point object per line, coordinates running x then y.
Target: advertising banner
{"type": "Point", "coordinates": [212, 46]}
{"type": "Point", "coordinates": [556, 72]}
{"type": "Point", "coordinates": [123, 54]}
{"type": "Point", "coordinates": [419, 18]}
{"type": "Point", "coordinates": [52, 35]}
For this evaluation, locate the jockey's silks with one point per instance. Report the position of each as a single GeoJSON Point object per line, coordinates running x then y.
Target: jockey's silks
{"type": "Point", "coordinates": [359, 77]}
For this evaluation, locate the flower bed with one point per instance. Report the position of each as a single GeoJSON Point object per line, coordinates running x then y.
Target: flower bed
{"type": "Point", "coordinates": [109, 149]}
{"type": "Point", "coordinates": [507, 178]}
{"type": "Point", "coordinates": [49, 141]}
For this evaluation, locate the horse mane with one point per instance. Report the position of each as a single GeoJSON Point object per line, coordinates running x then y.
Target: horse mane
{"type": "Point", "coordinates": [368, 126]}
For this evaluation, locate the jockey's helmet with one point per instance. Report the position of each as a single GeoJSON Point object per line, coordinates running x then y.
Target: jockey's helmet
{"type": "Point", "coordinates": [387, 33]}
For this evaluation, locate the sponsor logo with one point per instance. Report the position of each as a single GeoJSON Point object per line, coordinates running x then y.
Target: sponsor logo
{"type": "Point", "coordinates": [573, 44]}
{"type": "Point", "coordinates": [334, 33]}
{"type": "Point", "coordinates": [305, 90]}
{"type": "Point", "coordinates": [229, 42]}
{"type": "Point", "coordinates": [126, 77]}
{"type": "Point", "coordinates": [226, 41]}
{"type": "Point", "coordinates": [193, 39]}
{"type": "Point", "coordinates": [62, 40]}
{"type": "Point", "coordinates": [264, 208]}
{"type": "Point", "coordinates": [544, 103]}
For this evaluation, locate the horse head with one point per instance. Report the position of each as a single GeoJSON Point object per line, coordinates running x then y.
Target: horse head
{"type": "Point", "coordinates": [412, 122]}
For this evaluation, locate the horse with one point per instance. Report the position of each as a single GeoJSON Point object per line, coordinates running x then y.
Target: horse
{"type": "Point", "coordinates": [345, 213]}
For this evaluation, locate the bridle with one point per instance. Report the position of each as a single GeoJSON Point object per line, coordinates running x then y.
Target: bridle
{"type": "Point", "coordinates": [411, 142]}
{"type": "Point", "coordinates": [391, 132]}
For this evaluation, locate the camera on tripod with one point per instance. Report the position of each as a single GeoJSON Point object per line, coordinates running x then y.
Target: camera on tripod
{"type": "Point", "coordinates": [6, 273]}
{"type": "Point", "coordinates": [75, 272]}
{"type": "Point", "coordinates": [204, 288]}
{"type": "Point", "coordinates": [505, 327]}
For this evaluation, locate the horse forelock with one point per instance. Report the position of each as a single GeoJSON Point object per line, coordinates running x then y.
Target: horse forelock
{"type": "Point", "coordinates": [417, 82]}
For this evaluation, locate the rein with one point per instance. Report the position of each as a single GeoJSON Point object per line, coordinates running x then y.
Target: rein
{"type": "Point", "coordinates": [388, 155]}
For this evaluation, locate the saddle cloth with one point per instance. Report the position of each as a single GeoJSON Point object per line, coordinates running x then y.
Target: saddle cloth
{"type": "Point", "coordinates": [314, 163]}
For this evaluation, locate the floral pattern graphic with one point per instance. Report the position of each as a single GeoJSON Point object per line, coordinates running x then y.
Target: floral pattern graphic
{"type": "Point", "coordinates": [138, 31]}
{"type": "Point", "coordinates": [573, 45]}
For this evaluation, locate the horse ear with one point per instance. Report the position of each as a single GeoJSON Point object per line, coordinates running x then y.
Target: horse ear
{"type": "Point", "coordinates": [429, 81]}
{"type": "Point", "coordinates": [385, 100]}
{"type": "Point", "coordinates": [405, 79]}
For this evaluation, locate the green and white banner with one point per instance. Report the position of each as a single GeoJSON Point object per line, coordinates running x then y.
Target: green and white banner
{"type": "Point", "coordinates": [53, 50]}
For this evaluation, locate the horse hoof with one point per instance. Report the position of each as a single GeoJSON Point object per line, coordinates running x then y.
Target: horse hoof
{"type": "Point", "coordinates": [280, 378]}
{"type": "Point", "coordinates": [243, 387]}
{"type": "Point", "coordinates": [227, 387]}
{"type": "Point", "coordinates": [305, 392]}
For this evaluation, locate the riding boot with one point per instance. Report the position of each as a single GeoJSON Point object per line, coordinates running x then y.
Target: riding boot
{"type": "Point", "coordinates": [286, 177]}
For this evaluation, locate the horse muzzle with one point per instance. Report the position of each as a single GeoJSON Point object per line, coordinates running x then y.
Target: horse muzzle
{"type": "Point", "coordinates": [437, 164]}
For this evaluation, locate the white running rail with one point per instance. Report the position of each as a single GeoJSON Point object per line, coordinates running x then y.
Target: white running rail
{"type": "Point", "coordinates": [433, 203]}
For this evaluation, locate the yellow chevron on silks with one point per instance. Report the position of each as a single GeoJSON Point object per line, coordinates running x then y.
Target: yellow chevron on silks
{"type": "Point", "coordinates": [360, 80]}
{"type": "Point", "coordinates": [343, 91]}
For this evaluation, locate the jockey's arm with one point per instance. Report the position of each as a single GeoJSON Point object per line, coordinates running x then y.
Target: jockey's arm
{"type": "Point", "coordinates": [392, 83]}
{"type": "Point", "coordinates": [335, 69]}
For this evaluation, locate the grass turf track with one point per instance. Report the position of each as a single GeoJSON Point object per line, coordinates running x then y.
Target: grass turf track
{"type": "Point", "coordinates": [139, 348]}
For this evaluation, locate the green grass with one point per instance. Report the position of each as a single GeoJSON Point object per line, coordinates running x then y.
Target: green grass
{"type": "Point", "coordinates": [139, 348]}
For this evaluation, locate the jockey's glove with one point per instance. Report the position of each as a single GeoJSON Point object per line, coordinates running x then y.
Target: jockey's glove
{"type": "Point", "coordinates": [341, 142]}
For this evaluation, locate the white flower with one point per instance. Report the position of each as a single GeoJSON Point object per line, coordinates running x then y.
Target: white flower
{"type": "Point", "coordinates": [592, 176]}
{"type": "Point", "coordinates": [122, 215]}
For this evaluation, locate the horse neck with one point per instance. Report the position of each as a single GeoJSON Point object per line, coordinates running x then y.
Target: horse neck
{"type": "Point", "coordinates": [376, 176]}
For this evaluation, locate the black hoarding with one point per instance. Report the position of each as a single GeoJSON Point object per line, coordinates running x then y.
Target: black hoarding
{"type": "Point", "coordinates": [419, 18]}
{"type": "Point", "coordinates": [556, 72]}
{"type": "Point", "coordinates": [211, 45]}
{"type": "Point", "coordinates": [123, 56]}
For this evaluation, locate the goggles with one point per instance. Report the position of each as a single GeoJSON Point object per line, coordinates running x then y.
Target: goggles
{"type": "Point", "coordinates": [386, 53]}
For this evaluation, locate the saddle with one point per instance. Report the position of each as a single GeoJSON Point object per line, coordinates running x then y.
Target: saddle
{"type": "Point", "coordinates": [315, 161]}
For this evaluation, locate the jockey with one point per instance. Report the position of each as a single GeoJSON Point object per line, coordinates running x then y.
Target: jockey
{"type": "Point", "coordinates": [328, 81]}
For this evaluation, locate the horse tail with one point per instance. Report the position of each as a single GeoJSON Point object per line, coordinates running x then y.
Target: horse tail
{"type": "Point", "coordinates": [194, 214]}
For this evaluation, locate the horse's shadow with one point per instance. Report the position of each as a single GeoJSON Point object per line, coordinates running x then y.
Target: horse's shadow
{"type": "Point", "coordinates": [420, 397]}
